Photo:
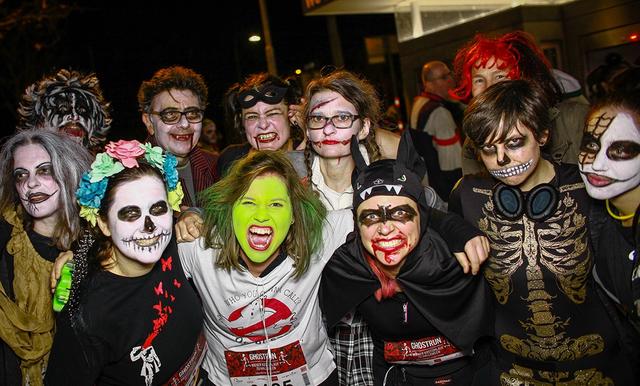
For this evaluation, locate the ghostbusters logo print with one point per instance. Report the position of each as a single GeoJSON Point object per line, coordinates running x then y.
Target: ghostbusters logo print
{"type": "Point", "coordinates": [261, 319]}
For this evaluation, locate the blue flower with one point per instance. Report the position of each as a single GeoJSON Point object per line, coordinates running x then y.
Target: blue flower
{"type": "Point", "coordinates": [91, 193]}
{"type": "Point", "coordinates": [170, 171]}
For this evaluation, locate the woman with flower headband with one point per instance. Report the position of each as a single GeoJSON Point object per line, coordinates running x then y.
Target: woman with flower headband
{"type": "Point", "coordinates": [40, 172]}
{"type": "Point", "coordinates": [132, 317]}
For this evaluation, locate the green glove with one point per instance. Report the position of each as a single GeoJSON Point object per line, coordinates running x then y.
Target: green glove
{"type": "Point", "coordinates": [61, 295]}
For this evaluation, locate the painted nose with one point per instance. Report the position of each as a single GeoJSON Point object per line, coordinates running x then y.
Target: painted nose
{"type": "Point", "coordinates": [600, 162]}
{"type": "Point", "coordinates": [149, 226]}
{"type": "Point", "coordinates": [502, 158]}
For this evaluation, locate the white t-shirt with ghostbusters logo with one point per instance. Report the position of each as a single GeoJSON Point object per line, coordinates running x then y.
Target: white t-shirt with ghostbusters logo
{"type": "Point", "coordinates": [270, 327]}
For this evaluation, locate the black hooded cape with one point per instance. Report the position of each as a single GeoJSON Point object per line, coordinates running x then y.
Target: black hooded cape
{"type": "Point", "coordinates": [458, 305]}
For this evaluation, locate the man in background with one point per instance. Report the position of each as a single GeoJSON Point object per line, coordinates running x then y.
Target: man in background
{"type": "Point", "coordinates": [436, 135]}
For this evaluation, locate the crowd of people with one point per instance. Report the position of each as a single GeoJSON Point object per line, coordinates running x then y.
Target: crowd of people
{"type": "Point", "coordinates": [493, 242]}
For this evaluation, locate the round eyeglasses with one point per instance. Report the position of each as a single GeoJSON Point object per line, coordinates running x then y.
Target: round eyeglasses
{"type": "Point", "coordinates": [173, 116]}
{"type": "Point", "coordinates": [340, 121]}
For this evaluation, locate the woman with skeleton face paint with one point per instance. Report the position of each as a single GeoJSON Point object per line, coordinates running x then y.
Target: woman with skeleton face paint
{"type": "Point", "coordinates": [536, 213]}
{"type": "Point", "coordinates": [40, 171]}
{"type": "Point", "coordinates": [610, 169]}
{"type": "Point", "coordinates": [424, 313]}
{"type": "Point", "coordinates": [132, 317]}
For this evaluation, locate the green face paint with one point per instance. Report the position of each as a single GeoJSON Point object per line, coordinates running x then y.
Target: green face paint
{"type": "Point", "coordinates": [262, 217]}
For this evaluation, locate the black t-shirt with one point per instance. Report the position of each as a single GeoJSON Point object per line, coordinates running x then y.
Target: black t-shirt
{"type": "Point", "coordinates": [131, 331]}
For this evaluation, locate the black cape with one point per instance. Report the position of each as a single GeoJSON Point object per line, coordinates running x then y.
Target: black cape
{"type": "Point", "coordinates": [458, 305]}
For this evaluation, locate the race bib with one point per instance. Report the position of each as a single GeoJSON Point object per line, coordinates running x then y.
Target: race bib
{"type": "Point", "coordinates": [287, 366]}
{"type": "Point", "coordinates": [430, 351]}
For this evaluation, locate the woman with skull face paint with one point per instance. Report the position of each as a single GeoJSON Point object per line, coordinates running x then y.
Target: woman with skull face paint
{"type": "Point", "coordinates": [40, 171]}
{"type": "Point", "coordinates": [610, 169]}
{"type": "Point", "coordinates": [424, 313]}
{"type": "Point", "coordinates": [260, 109]}
{"type": "Point", "coordinates": [258, 270]}
{"type": "Point", "coordinates": [551, 326]}
{"type": "Point", "coordinates": [132, 318]}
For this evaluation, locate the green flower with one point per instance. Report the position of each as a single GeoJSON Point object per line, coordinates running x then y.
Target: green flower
{"type": "Point", "coordinates": [89, 214]}
{"type": "Point", "coordinates": [153, 155]}
{"type": "Point", "coordinates": [104, 166]}
{"type": "Point", "coordinates": [175, 197]}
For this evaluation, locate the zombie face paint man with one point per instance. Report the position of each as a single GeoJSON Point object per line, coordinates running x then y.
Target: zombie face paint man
{"type": "Point", "coordinates": [261, 218]}
{"type": "Point", "coordinates": [140, 225]}
{"type": "Point", "coordinates": [609, 155]}
{"type": "Point", "coordinates": [68, 102]}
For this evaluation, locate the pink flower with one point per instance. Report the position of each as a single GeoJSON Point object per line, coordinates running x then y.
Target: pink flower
{"type": "Point", "coordinates": [126, 152]}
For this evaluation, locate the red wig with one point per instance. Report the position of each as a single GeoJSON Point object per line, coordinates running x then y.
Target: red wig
{"type": "Point", "coordinates": [520, 57]}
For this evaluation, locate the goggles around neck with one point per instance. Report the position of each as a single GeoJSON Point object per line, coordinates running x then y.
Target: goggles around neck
{"type": "Point", "coordinates": [270, 94]}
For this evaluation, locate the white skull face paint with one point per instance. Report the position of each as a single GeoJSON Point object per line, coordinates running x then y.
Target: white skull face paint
{"type": "Point", "coordinates": [610, 154]}
{"type": "Point", "coordinates": [34, 181]}
{"type": "Point", "coordinates": [141, 224]}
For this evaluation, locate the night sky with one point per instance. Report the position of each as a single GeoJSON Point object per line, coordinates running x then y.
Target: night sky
{"type": "Point", "coordinates": [125, 42]}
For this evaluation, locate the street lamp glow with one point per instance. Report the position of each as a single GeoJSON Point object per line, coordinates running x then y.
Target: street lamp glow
{"type": "Point", "coordinates": [298, 71]}
{"type": "Point", "coordinates": [254, 38]}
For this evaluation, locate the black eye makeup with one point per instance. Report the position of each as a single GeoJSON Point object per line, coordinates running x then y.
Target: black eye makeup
{"type": "Point", "coordinates": [623, 150]}
{"type": "Point", "coordinates": [400, 213]}
{"type": "Point", "coordinates": [159, 208]}
{"type": "Point", "coordinates": [129, 213]}
{"type": "Point", "coordinates": [590, 144]}
{"type": "Point", "coordinates": [515, 143]}
{"type": "Point", "coordinates": [20, 174]}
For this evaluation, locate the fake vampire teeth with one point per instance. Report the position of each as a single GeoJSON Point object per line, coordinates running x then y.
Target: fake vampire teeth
{"type": "Point", "coordinates": [266, 137]}
{"type": "Point", "coordinates": [511, 171]}
{"type": "Point", "coordinates": [259, 237]}
{"type": "Point", "coordinates": [182, 137]}
{"type": "Point", "coordinates": [147, 244]}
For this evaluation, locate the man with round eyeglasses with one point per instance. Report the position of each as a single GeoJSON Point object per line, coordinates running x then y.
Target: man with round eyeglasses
{"type": "Point", "coordinates": [172, 104]}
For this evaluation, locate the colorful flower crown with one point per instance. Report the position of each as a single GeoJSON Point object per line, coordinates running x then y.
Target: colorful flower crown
{"type": "Point", "coordinates": [118, 156]}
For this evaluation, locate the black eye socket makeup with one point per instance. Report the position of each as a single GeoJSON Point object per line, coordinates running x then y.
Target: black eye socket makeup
{"type": "Point", "coordinates": [400, 213]}
{"type": "Point", "coordinates": [129, 213]}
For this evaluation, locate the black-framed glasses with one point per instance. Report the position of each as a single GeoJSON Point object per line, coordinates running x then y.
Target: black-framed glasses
{"type": "Point", "coordinates": [340, 121]}
{"type": "Point", "coordinates": [173, 116]}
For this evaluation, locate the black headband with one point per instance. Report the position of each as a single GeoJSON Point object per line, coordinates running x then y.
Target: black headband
{"type": "Point", "coordinates": [269, 94]}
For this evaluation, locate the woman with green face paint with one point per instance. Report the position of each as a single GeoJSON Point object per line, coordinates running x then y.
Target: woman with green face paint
{"type": "Point", "coordinates": [258, 267]}
{"type": "Point", "coordinates": [261, 219]}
